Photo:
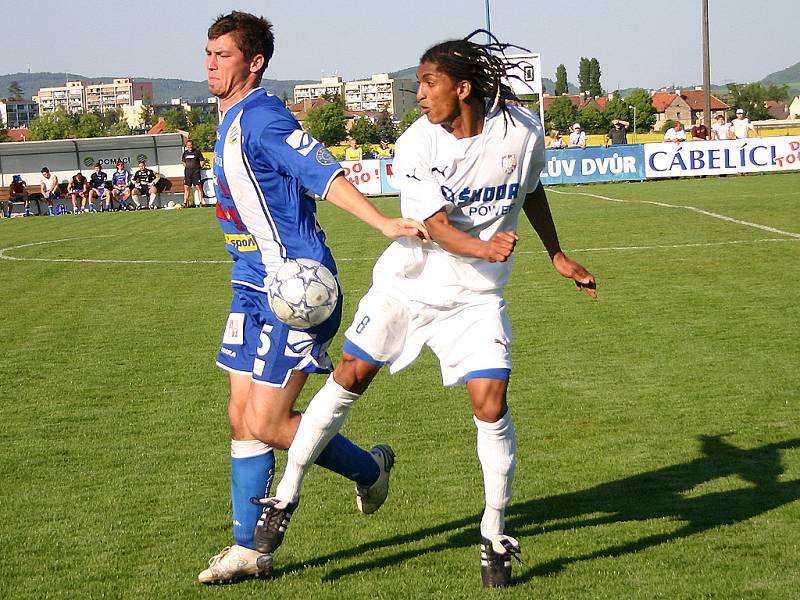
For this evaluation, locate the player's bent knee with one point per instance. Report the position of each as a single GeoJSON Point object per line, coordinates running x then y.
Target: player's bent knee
{"type": "Point", "coordinates": [354, 374]}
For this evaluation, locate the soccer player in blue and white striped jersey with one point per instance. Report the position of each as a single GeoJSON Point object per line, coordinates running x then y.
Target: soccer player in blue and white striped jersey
{"type": "Point", "coordinates": [267, 171]}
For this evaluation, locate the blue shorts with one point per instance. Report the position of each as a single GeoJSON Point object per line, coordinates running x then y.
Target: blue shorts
{"type": "Point", "coordinates": [256, 343]}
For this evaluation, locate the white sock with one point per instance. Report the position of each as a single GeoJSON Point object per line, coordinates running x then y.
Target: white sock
{"type": "Point", "coordinates": [248, 448]}
{"type": "Point", "coordinates": [321, 421]}
{"type": "Point", "coordinates": [497, 446]}
{"type": "Point", "coordinates": [152, 199]}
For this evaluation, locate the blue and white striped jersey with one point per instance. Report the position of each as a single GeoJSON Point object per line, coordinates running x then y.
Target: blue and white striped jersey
{"type": "Point", "coordinates": [266, 170]}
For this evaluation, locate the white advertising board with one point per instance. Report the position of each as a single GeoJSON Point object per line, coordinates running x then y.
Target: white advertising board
{"type": "Point", "coordinates": [722, 157]}
{"type": "Point", "coordinates": [364, 174]}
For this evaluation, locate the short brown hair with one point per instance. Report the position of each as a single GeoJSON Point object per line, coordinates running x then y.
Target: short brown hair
{"type": "Point", "coordinates": [253, 35]}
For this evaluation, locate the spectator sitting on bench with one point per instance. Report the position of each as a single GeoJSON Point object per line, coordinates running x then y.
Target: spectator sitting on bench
{"type": "Point", "coordinates": [144, 182]}
{"type": "Point", "coordinates": [17, 192]}
{"type": "Point", "coordinates": [78, 188]}
{"type": "Point", "coordinates": [48, 184]}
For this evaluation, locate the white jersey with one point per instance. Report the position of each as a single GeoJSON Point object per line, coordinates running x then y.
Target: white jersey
{"type": "Point", "coordinates": [481, 182]}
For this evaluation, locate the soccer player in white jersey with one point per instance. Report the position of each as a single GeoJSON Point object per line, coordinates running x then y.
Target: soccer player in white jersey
{"type": "Point", "coordinates": [266, 171]}
{"type": "Point", "coordinates": [466, 169]}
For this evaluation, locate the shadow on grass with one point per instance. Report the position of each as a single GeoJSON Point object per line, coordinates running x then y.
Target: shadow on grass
{"type": "Point", "coordinates": [663, 493]}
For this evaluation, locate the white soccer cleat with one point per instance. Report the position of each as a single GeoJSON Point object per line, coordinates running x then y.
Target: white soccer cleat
{"type": "Point", "coordinates": [236, 563]}
{"type": "Point", "coordinates": [370, 498]}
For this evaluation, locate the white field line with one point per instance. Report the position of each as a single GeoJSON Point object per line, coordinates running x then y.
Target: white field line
{"type": "Point", "coordinates": [692, 208]}
{"type": "Point", "coordinates": [5, 256]}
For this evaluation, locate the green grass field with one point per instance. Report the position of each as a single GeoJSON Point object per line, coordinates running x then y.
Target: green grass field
{"type": "Point", "coordinates": [658, 428]}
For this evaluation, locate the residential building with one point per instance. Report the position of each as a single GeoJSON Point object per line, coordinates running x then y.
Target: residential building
{"type": "Point", "coordinates": [71, 97]}
{"type": "Point", "coordinates": [794, 108]}
{"type": "Point", "coordinates": [379, 93]}
{"type": "Point", "coordinates": [777, 110]}
{"type": "Point", "coordinates": [328, 87]}
{"type": "Point", "coordinates": [684, 106]}
{"type": "Point", "coordinates": [80, 97]}
{"type": "Point", "coordinates": [133, 114]}
{"type": "Point", "coordinates": [101, 97]}
{"type": "Point", "coordinates": [18, 113]}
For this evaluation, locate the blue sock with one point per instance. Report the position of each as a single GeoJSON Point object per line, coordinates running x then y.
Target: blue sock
{"type": "Point", "coordinates": [345, 458]}
{"type": "Point", "coordinates": [250, 477]}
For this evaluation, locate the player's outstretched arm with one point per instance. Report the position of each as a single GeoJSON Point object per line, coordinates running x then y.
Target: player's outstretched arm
{"type": "Point", "coordinates": [538, 212]}
{"type": "Point", "coordinates": [344, 195]}
{"type": "Point", "coordinates": [455, 241]}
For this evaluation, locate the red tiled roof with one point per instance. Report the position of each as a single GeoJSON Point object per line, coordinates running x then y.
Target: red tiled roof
{"type": "Point", "coordinates": [777, 110]}
{"type": "Point", "coordinates": [19, 134]}
{"type": "Point", "coordinates": [158, 127]}
{"type": "Point", "coordinates": [696, 100]}
{"type": "Point", "coordinates": [300, 109]}
{"type": "Point", "coordinates": [661, 100]}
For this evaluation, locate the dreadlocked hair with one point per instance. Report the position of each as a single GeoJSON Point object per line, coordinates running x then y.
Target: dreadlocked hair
{"type": "Point", "coordinates": [485, 66]}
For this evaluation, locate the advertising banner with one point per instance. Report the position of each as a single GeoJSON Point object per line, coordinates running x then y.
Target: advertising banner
{"type": "Point", "coordinates": [722, 157]}
{"type": "Point", "coordinates": [387, 177]}
{"type": "Point", "coordinates": [364, 174]}
{"type": "Point", "coordinates": [594, 164]}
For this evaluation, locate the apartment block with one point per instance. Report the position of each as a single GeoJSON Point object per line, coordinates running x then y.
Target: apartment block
{"type": "Point", "coordinates": [80, 97]}
{"type": "Point", "coordinates": [381, 92]}
{"type": "Point", "coordinates": [328, 86]}
{"type": "Point", "coordinates": [18, 113]}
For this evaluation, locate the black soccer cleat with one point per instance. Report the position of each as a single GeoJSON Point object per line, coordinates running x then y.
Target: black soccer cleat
{"type": "Point", "coordinates": [272, 523]}
{"type": "Point", "coordinates": [496, 555]}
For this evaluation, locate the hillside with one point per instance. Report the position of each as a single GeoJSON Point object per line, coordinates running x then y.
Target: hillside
{"type": "Point", "coordinates": [163, 89]}
{"type": "Point", "coordinates": [789, 76]}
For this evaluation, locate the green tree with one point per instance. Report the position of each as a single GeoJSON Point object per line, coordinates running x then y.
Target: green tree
{"type": "Point", "coordinates": [583, 75]}
{"type": "Point", "coordinates": [562, 114]}
{"type": "Point", "coordinates": [592, 120]}
{"type": "Point", "coordinates": [90, 125]}
{"type": "Point", "coordinates": [562, 87]}
{"type": "Point", "coordinates": [175, 119]}
{"type": "Point", "coordinates": [56, 125]}
{"type": "Point", "coordinates": [364, 131]}
{"type": "Point", "coordinates": [120, 128]}
{"type": "Point", "coordinates": [326, 123]}
{"type": "Point", "coordinates": [387, 130]}
{"type": "Point", "coordinates": [146, 113]}
{"type": "Point", "coordinates": [407, 120]}
{"type": "Point", "coordinates": [595, 89]}
{"type": "Point", "coordinates": [777, 92]}
{"type": "Point", "coordinates": [752, 98]}
{"type": "Point", "coordinates": [617, 108]}
{"type": "Point", "coordinates": [4, 134]}
{"type": "Point", "coordinates": [14, 90]}
{"type": "Point", "coordinates": [645, 113]}
{"type": "Point", "coordinates": [204, 135]}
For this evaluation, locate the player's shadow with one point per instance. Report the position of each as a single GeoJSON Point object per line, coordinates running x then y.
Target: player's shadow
{"type": "Point", "coordinates": [671, 492]}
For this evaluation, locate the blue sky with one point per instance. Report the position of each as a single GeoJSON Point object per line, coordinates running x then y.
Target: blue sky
{"type": "Point", "coordinates": [658, 43]}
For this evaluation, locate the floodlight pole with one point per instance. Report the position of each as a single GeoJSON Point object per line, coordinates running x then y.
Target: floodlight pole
{"type": "Point", "coordinates": [706, 69]}
{"type": "Point", "coordinates": [634, 122]}
{"type": "Point", "coordinates": [488, 24]}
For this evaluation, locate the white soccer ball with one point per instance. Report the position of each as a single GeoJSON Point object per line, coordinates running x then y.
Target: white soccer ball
{"type": "Point", "coordinates": [303, 293]}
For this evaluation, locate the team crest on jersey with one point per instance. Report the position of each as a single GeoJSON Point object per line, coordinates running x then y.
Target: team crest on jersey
{"type": "Point", "coordinates": [509, 163]}
{"type": "Point", "coordinates": [324, 156]}
{"type": "Point", "coordinates": [233, 135]}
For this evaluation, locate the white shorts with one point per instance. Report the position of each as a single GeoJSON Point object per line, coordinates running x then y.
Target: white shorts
{"type": "Point", "coordinates": [471, 340]}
